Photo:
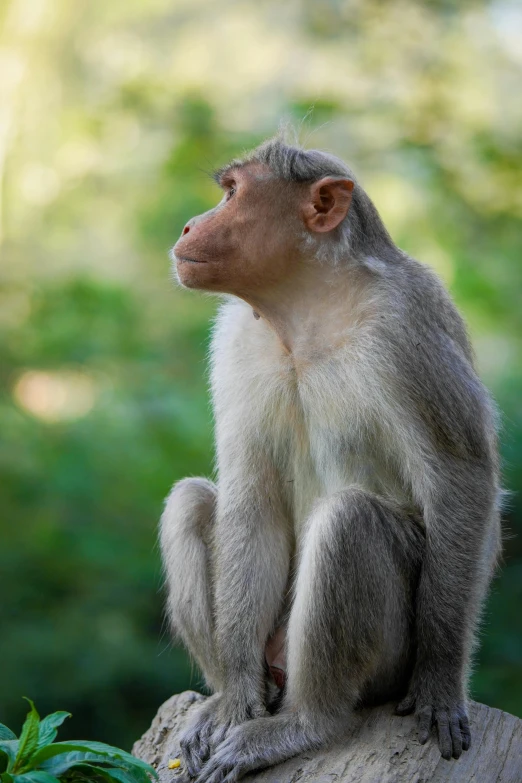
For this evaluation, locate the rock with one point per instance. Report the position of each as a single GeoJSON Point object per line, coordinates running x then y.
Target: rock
{"type": "Point", "coordinates": [381, 748]}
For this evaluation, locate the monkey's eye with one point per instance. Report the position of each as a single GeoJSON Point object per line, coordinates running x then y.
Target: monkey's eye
{"type": "Point", "coordinates": [230, 192]}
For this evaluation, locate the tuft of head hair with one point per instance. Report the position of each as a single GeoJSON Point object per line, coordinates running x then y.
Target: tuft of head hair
{"type": "Point", "coordinates": [289, 161]}
{"type": "Point", "coordinates": [292, 163]}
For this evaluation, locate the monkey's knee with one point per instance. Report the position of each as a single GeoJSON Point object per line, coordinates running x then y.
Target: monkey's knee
{"type": "Point", "coordinates": [387, 535]}
{"type": "Point", "coordinates": [185, 534]}
{"type": "Point", "coordinates": [189, 509]}
{"type": "Point", "coordinates": [186, 526]}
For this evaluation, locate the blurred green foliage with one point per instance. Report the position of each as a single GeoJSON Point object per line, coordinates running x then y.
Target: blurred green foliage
{"type": "Point", "coordinates": [113, 113]}
{"type": "Point", "coordinates": [34, 756]}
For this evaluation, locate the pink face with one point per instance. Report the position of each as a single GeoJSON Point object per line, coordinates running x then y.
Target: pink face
{"type": "Point", "coordinates": [252, 240]}
{"type": "Point", "coordinates": [248, 242]}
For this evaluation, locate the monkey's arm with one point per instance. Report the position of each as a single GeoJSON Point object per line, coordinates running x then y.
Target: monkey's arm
{"type": "Point", "coordinates": [252, 561]}
{"type": "Point", "coordinates": [453, 580]}
{"type": "Point", "coordinates": [252, 532]}
{"type": "Point", "coordinates": [454, 481]}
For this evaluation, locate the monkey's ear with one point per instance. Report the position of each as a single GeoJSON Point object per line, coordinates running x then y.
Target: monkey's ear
{"type": "Point", "coordinates": [327, 203]}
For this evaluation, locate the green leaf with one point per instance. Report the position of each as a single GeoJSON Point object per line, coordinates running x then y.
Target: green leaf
{"type": "Point", "coordinates": [128, 775]}
{"type": "Point", "coordinates": [71, 761]}
{"type": "Point", "coordinates": [6, 733]}
{"type": "Point", "coordinates": [10, 748]}
{"type": "Point", "coordinates": [35, 776]}
{"type": "Point", "coordinates": [28, 741]}
{"type": "Point", "coordinates": [48, 725]}
{"type": "Point", "coordinates": [6, 778]}
{"type": "Point", "coordinates": [90, 772]}
{"type": "Point", "coordinates": [76, 752]}
{"type": "Point", "coordinates": [66, 761]}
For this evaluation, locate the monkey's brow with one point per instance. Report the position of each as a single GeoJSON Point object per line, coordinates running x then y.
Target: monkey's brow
{"type": "Point", "coordinates": [222, 172]}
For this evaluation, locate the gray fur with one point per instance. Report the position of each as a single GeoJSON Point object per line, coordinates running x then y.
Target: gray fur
{"type": "Point", "coordinates": [358, 499]}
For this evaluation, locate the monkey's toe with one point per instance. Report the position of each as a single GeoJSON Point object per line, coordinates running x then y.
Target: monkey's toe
{"type": "Point", "coordinates": [219, 771]}
{"type": "Point", "coordinates": [406, 706]}
{"type": "Point", "coordinates": [465, 731]}
{"type": "Point", "coordinates": [453, 732]}
{"type": "Point", "coordinates": [424, 723]}
{"type": "Point", "coordinates": [229, 762]}
{"type": "Point", "coordinates": [194, 753]}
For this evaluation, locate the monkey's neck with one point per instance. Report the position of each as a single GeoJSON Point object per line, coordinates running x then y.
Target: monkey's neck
{"type": "Point", "coordinates": [313, 312]}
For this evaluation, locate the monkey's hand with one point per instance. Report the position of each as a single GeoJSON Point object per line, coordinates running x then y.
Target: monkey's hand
{"type": "Point", "coordinates": [449, 716]}
{"type": "Point", "coordinates": [211, 725]}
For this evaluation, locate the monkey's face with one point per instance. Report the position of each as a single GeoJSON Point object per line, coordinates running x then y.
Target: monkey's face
{"type": "Point", "coordinates": [249, 242]}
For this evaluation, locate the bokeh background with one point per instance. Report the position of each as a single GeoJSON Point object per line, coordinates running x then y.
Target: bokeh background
{"type": "Point", "coordinates": [111, 115]}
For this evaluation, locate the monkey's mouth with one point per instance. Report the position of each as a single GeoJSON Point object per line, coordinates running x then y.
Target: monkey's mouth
{"type": "Point", "coordinates": [185, 260]}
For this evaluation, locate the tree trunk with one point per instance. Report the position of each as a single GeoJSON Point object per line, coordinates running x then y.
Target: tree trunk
{"type": "Point", "coordinates": [381, 748]}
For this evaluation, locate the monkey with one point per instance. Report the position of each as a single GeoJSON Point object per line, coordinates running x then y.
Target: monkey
{"type": "Point", "coordinates": [342, 556]}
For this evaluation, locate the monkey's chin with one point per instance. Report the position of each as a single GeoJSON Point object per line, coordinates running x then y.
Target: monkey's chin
{"type": "Point", "coordinates": [192, 274]}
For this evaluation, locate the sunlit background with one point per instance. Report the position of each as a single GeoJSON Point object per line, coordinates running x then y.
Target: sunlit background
{"type": "Point", "coordinates": [111, 115]}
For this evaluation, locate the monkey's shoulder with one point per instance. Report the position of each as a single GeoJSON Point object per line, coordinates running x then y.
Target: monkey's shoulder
{"type": "Point", "coordinates": [430, 364]}
{"type": "Point", "coordinates": [423, 305]}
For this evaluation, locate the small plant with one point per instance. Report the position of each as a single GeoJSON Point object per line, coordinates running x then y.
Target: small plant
{"type": "Point", "coordinates": [35, 758]}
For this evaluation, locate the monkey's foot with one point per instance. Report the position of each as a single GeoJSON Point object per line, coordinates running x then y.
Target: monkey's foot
{"type": "Point", "coordinates": [258, 743]}
{"type": "Point", "coordinates": [452, 724]}
{"type": "Point", "coordinates": [195, 740]}
{"type": "Point", "coordinates": [211, 726]}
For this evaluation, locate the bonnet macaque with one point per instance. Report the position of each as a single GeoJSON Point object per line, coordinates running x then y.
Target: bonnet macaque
{"type": "Point", "coordinates": [343, 554]}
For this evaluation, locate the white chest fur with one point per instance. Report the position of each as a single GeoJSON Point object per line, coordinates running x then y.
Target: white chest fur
{"type": "Point", "coordinates": [325, 445]}
{"type": "Point", "coordinates": [316, 420]}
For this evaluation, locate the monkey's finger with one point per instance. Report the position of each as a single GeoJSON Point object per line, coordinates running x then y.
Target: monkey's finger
{"type": "Point", "coordinates": [214, 772]}
{"type": "Point", "coordinates": [443, 730]}
{"type": "Point", "coordinates": [234, 775]}
{"type": "Point", "coordinates": [217, 777]}
{"type": "Point", "coordinates": [406, 706]}
{"type": "Point", "coordinates": [425, 721]}
{"type": "Point", "coordinates": [465, 732]}
{"type": "Point", "coordinates": [456, 736]}
{"type": "Point", "coordinates": [206, 730]}
{"type": "Point", "coordinates": [184, 752]}
{"type": "Point", "coordinates": [205, 741]}
{"type": "Point", "coordinates": [200, 755]}
{"type": "Point", "coordinates": [219, 734]}
{"type": "Point", "coordinates": [204, 750]}
{"type": "Point", "coordinates": [187, 751]}
{"type": "Point", "coordinates": [190, 767]}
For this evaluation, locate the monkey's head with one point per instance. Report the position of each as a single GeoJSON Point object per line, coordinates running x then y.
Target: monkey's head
{"type": "Point", "coordinates": [277, 205]}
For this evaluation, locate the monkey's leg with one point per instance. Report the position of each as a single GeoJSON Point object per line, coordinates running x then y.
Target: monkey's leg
{"type": "Point", "coordinates": [250, 570]}
{"type": "Point", "coordinates": [348, 632]}
{"type": "Point", "coordinates": [185, 537]}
